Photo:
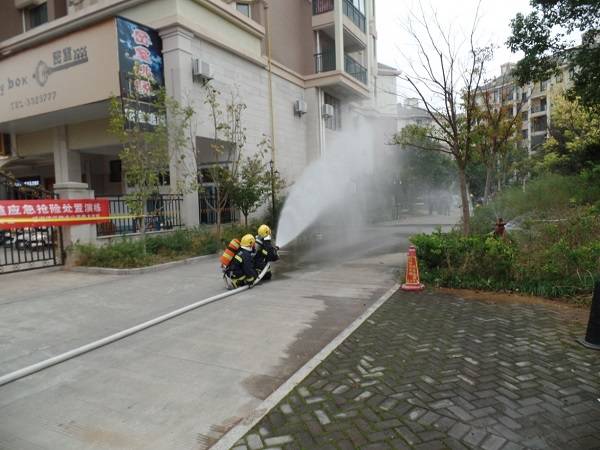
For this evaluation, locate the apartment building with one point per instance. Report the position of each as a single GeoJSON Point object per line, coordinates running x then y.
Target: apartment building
{"type": "Point", "coordinates": [61, 61]}
{"type": "Point", "coordinates": [533, 101]}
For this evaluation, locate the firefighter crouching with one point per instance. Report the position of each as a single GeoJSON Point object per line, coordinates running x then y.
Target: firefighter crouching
{"type": "Point", "coordinates": [241, 271]}
{"type": "Point", "coordinates": [266, 252]}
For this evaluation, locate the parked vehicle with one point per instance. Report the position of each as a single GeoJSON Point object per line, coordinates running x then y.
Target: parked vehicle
{"type": "Point", "coordinates": [6, 238]}
{"type": "Point", "coordinates": [32, 238]}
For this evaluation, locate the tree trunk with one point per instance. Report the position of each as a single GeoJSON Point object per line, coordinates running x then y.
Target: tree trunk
{"type": "Point", "coordinates": [464, 199]}
{"type": "Point", "coordinates": [246, 219]}
{"type": "Point", "coordinates": [488, 183]}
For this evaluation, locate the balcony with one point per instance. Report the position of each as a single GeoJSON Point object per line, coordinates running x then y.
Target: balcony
{"type": "Point", "coordinates": [537, 142]}
{"type": "Point", "coordinates": [355, 69]}
{"type": "Point", "coordinates": [539, 125]}
{"type": "Point", "coordinates": [325, 61]}
{"type": "Point", "coordinates": [322, 6]}
{"type": "Point", "coordinates": [354, 14]}
{"type": "Point", "coordinates": [349, 82]}
{"type": "Point", "coordinates": [538, 107]}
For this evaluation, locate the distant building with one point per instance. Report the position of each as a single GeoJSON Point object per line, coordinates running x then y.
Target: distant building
{"type": "Point", "coordinates": [411, 113]}
{"type": "Point", "coordinates": [533, 101]}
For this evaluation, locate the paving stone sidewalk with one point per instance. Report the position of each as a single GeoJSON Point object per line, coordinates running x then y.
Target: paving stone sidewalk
{"type": "Point", "coordinates": [432, 371]}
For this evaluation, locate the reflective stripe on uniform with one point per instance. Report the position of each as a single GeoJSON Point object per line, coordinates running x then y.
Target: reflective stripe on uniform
{"type": "Point", "coordinates": [239, 258]}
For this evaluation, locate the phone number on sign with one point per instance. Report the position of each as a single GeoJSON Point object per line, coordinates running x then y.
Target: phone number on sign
{"type": "Point", "coordinates": [31, 101]}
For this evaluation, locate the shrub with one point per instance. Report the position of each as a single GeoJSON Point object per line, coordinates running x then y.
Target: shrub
{"type": "Point", "coordinates": [450, 259]}
{"type": "Point", "coordinates": [121, 254]}
{"type": "Point", "coordinates": [560, 258]}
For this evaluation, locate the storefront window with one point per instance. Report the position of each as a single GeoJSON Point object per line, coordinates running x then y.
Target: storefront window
{"type": "Point", "coordinates": [115, 174]}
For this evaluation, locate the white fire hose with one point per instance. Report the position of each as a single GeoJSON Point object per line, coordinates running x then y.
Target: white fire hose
{"type": "Point", "coordinates": [26, 371]}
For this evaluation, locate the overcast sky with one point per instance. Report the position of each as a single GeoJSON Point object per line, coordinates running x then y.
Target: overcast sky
{"type": "Point", "coordinates": [494, 25]}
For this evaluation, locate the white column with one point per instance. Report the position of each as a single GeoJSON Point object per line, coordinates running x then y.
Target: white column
{"type": "Point", "coordinates": [338, 15]}
{"type": "Point", "coordinates": [82, 234]}
{"type": "Point", "coordinates": [177, 55]}
{"type": "Point", "coordinates": [67, 172]}
{"type": "Point", "coordinates": [67, 163]}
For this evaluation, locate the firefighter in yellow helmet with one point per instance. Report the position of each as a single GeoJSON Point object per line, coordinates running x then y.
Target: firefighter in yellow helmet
{"type": "Point", "coordinates": [266, 252]}
{"type": "Point", "coordinates": [242, 271]}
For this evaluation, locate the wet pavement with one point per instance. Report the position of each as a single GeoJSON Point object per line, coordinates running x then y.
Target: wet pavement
{"type": "Point", "coordinates": [181, 384]}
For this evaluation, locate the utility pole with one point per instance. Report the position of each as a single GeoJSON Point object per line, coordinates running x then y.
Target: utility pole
{"type": "Point", "coordinates": [271, 113]}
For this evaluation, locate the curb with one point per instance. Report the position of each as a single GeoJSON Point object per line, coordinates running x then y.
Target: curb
{"type": "Point", "coordinates": [229, 439]}
{"type": "Point", "coordinates": [139, 270]}
{"type": "Point", "coordinates": [36, 270]}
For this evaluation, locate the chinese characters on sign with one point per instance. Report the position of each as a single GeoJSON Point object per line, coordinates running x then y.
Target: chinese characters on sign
{"type": "Point", "coordinates": [51, 212]}
{"type": "Point", "coordinates": [140, 60]}
{"type": "Point", "coordinates": [141, 72]}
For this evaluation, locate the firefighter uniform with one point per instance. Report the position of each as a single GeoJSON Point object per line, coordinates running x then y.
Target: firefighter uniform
{"type": "Point", "coordinates": [266, 252]}
{"type": "Point", "coordinates": [241, 270]}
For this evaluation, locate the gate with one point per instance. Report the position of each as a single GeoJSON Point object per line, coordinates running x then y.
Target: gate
{"type": "Point", "coordinates": [32, 247]}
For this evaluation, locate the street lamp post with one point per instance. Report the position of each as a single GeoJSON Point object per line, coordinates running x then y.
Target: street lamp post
{"type": "Point", "coordinates": [273, 211]}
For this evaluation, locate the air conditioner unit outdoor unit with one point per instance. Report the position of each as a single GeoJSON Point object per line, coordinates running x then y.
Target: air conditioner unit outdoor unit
{"type": "Point", "coordinates": [327, 111]}
{"type": "Point", "coordinates": [201, 70]}
{"type": "Point", "coordinates": [300, 107]}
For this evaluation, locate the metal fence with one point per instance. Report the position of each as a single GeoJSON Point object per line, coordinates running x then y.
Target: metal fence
{"type": "Point", "coordinates": [208, 213]}
{"type": "Point", "coordinates": [30, 247]}
{"type": "Point", "coordinates": [325, 61]}
{"type": "Point", "coordinates": [355, 15]}
{"type": "Point", "coordinates": [355, 69]}
{"type": "Point", "coordinates": [161, 212]}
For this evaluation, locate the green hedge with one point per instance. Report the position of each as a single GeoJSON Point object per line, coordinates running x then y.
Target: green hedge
{"type": "Point", "coordinates": [181, 244]}
{"type": "Point", "coordinates": [550, 259]}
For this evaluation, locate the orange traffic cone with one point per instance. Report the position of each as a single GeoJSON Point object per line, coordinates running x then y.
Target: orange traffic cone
{"type": "Point", "coordinates": [412, 272]}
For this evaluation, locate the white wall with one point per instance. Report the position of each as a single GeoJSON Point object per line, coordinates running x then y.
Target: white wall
{"type": "Point", "coordinates": [233, 74]}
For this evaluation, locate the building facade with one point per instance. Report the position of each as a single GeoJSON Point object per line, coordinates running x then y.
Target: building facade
{"type": "Point", "coordinates": [311, 66]}
{"type": "Point", "coordinates": [533, 101]}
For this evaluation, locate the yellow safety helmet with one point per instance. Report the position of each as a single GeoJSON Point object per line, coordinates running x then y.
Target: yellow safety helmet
{"type": "Point", "coordinates": [264, 231]}
{"type": "Point", "coordinates": [248, 241]}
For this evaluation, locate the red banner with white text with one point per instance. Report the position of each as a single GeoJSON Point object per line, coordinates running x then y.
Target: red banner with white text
{"type": "Point", "coordinates": [52, 212]}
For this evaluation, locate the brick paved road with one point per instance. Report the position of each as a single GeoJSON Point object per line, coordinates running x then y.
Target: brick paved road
{"type": "Point", "coordinates": [433, 372]}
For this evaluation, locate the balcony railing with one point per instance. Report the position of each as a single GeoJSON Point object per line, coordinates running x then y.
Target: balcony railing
{"type": "Point", "coordinates": [355, 15]}
{"type": "Point", "coordinates": [540, 125]}
{"type": "Point", "coordinates": [162, 212]}
{"type": "Point", "coordinates": [325, 61]}
{"type": "Point", "coordinates": [535, 108]}
{"type": "Point", "coordinates": [353, 68]}
{"type": "Point", "coordinates": [322, 6]}
{"type": "Point", "coordinates": [537, 141]}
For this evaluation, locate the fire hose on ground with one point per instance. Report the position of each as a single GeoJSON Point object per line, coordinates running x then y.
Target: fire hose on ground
{"type": "Point", "coordinates": [37, 367]}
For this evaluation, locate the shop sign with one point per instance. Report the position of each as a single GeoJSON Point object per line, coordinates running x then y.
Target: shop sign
{"type": "Point", "coordinates": [73, 70]}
